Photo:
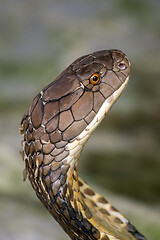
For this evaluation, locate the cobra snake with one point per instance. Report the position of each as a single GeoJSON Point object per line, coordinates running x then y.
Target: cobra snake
{"type": "Point", "coordinates": [57, 125]}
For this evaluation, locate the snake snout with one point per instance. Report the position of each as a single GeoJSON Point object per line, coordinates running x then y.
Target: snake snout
{"type": "Point", "coordinates": [120, 62]}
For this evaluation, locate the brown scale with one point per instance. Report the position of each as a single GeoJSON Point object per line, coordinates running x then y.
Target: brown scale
{"type": "Point", "coordinates": [58, 114]}
{"type": "Point", "coordinates": [85, 100]}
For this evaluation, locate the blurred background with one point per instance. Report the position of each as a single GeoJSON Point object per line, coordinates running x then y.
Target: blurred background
{"type": "Point", "coordinates": [39, 39]}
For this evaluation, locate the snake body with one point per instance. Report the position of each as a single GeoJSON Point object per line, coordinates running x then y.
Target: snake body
{"type": "Point", "coordinates": [55, 129]}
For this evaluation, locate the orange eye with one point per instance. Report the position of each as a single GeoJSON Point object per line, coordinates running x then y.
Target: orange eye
{"type": "Point", "coordinates": [95, 78]}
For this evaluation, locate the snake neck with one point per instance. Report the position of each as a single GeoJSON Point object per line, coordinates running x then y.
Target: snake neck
{"type": "Point", "coordinates": [72, 202]}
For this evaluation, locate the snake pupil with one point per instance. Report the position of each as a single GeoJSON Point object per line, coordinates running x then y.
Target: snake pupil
{"type": "Point", "coordinates": [95, 78]}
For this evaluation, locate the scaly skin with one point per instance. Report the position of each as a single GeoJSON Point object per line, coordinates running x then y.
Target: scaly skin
{"type": "Point", "coordinates": [55, 129]}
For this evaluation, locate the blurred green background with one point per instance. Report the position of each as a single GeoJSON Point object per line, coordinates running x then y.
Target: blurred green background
{"type": "Point", "coordinates": [38, 39]}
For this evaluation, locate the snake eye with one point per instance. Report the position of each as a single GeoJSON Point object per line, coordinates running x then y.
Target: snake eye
{"type": "Point", "coordinates": [95, 78]}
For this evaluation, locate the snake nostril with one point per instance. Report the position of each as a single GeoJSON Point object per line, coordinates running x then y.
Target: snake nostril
{"type": "Point", "coordinates": [122, 66]}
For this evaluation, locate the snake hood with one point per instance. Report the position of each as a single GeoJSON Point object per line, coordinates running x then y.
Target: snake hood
{"type": "Point", "coordinates": [55, 129]}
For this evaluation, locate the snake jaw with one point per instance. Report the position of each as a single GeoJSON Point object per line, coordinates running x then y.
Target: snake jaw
{"type": "Point", "coordinates": [113, 98]}
{"type": "Point", "coordinates": [102, 112]}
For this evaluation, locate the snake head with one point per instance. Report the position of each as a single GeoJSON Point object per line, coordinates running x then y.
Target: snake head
{"type": "Point", "coordinates": [110, 67]}
{"type": "Point", "coordinates": [69, 104]}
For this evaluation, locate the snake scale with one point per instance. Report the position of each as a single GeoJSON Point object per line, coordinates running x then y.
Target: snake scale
{"type": "Point", "coordinates": [55, 129]}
